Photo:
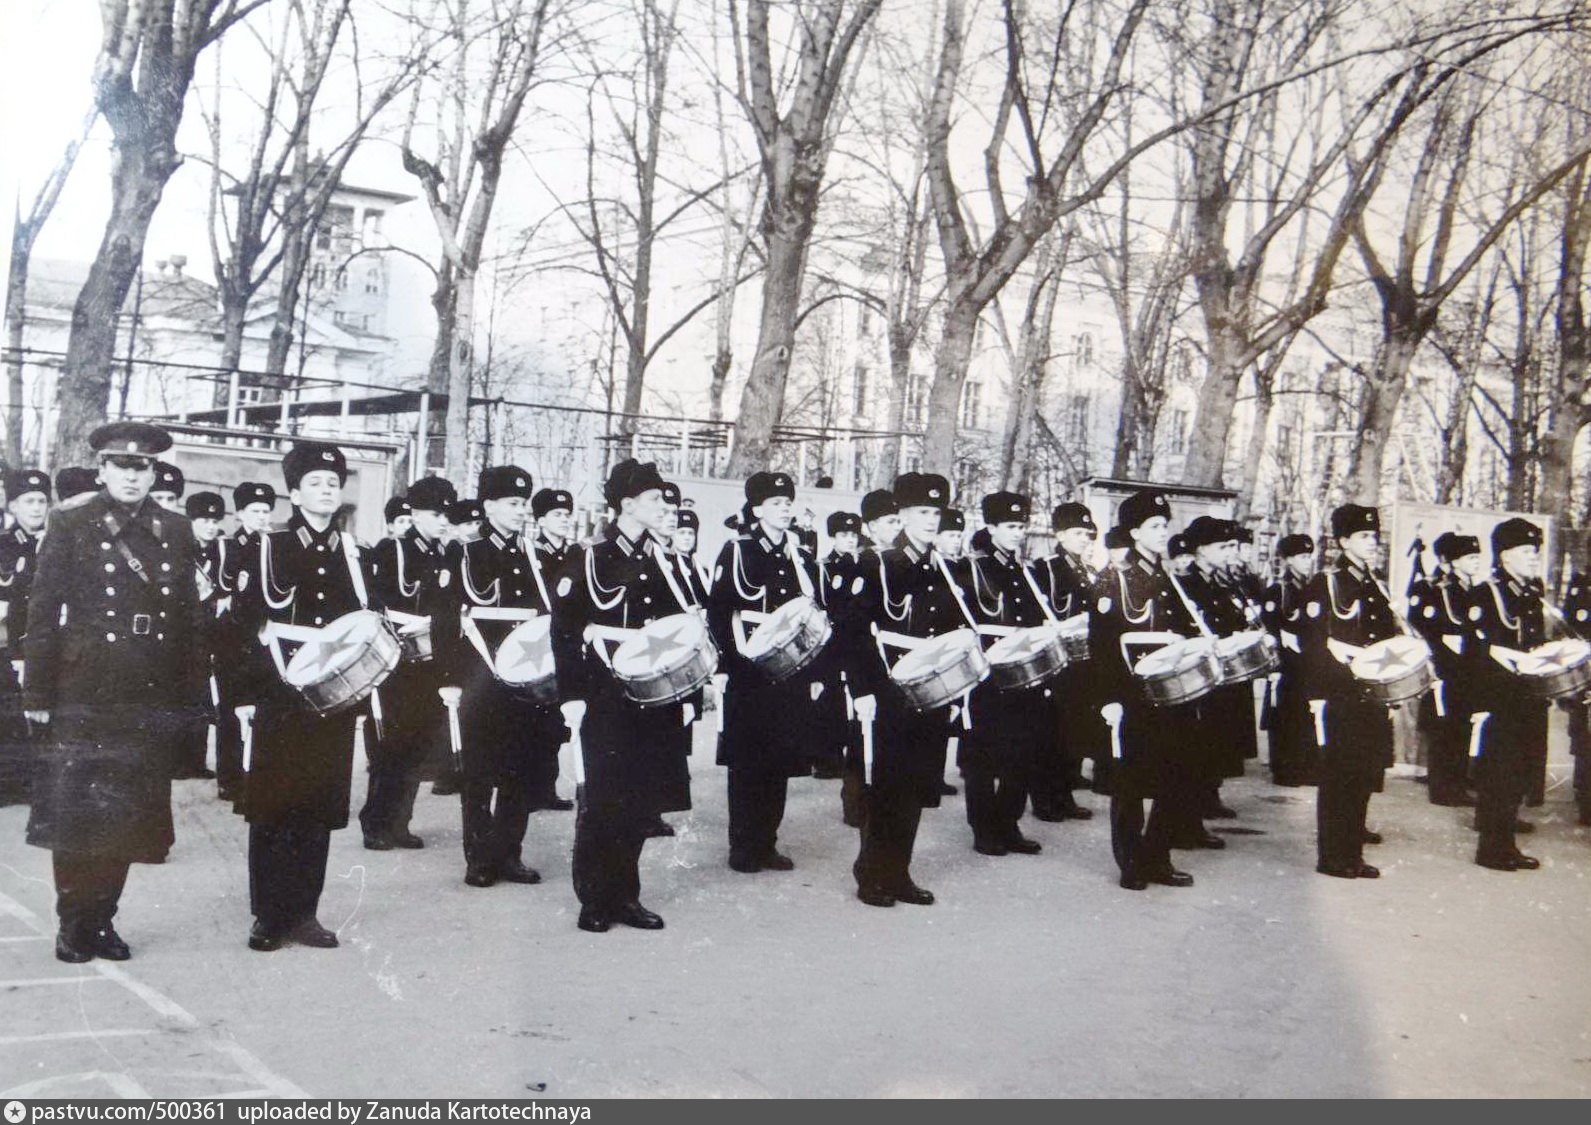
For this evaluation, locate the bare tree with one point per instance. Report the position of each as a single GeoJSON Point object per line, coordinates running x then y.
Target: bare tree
{"type": "Point", "coordinates": [24, 234]}
{"type": "Point", "coordinates": [477, 98]}
{"type": "Point", "coordinates": [268, 198]}
{"type": "Point", "coordinates": [793, 145]}
{"type": "Point", "coordinates": [1237, 42]}
{"type": "Point", "coordinates": [148, 52]}
{"type": "Point", "coordinates": [1414, 276]}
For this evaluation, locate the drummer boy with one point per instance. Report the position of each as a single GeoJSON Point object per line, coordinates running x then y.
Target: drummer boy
{"type": "Point", "coordinates": [1344, 609]}
{"type": "Point", "coordinates": [298, 763]}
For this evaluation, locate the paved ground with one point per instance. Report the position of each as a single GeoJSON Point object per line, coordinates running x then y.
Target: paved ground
{"type": "Point", "coordinates": [1032, 976]}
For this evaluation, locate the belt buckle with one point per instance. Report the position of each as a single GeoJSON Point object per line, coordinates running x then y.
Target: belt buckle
{"type": "Point", "coordinates": [141, 624]}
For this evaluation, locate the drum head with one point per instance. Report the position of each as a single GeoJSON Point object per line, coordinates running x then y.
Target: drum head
{"type": "Point", "coordinates": [1554, 657]}
{"type": "Point", "coordinates": [1390, 659]}
{"type": "Point", "coordinates": [664, 644]}
{"type": "Point", "coordinates": [930, 656]}
{"type": "Point", "coordinates": [525, 656]}
{"type": "Point", "coordinates": [1021, 645]}
{"type": "Point", "coordinates": [774, 633]}
{"type": "Point", "coordinates": [1075, 625]}
{"type": "Point", "coordinates": [334, 648]}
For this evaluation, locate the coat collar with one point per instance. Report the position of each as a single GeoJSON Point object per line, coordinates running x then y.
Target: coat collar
{"type": "Point", "coordinates": [331, 538]}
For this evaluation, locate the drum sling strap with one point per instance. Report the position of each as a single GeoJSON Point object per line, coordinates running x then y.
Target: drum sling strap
{"type": "Point", "coordinates": [472, 631]}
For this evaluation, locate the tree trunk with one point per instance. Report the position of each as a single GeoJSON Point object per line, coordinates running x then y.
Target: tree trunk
{"type": "Point", "coordinates": [1125, 463]}
{"type": "Point", "coordinates": [763, 399]}
{"type": "Point", "coordinates": [16, 327]}
{"type": "Point", "coordinates": [900, 374]}
{"type": "Point", "coordinates": [1205, 465]}
{"type": "Point", "coordinates": [461, 370]}
{"type": "Point", "coordinates": [1264, 403]}
{"type": "Point", "coordinates": [140, 169]}
{"type": "Point", "coordinates": [1385, 384]}
{"type": "Point", "coordinates": [1033, 365]}
{"type": "Point", "coordinates": [951, 359]}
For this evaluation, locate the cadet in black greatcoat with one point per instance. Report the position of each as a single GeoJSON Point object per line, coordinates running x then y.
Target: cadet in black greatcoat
{"type": "Point", "coordinates": [1439, 610]}
{"type": "Point", "coordinates": [409, 575]}
{"type": "Point", "coordinates": [909, 593]}
{"type": "Point", "coordinates": [768, 731]}
{"type": "Point", "coordinates": [300, 763]}
{"type": "Point", "coordinates": [511, 740]}
{"type": "Point", "coordinates": [832, 726]}
{"type": "Point", "coordinates": [205, 511]}
{"type": "Point", "coordinates": [1151, 744]}
{"type": "Point", "coordinates": [1509, 616]}
{"type": "Point", "coordinates": [1226, 714]}
{"type": "Point", "coordinates": [1010, 728]}
{"type": "Point", "coordinates": [1066, 579]}
{"type": "Point", "coordinates": [617, 582]}
{"type": "Point", "coordinates": [28, 501]}
{"type": "Point", "coordinates": [1346, 608]}
{"type": "Point", "coordinates": [553, 510]}
{"type": "Point", "coordinates": [252, 502]}
{"type": "Point", "coordinates": [1292, 734]}
{"type": "Point", "coordinates": [114, 673]}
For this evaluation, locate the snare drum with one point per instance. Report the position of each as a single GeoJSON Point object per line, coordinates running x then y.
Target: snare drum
{"type": "Point", "coordinates": [1074, 638]}
{"type": "Point", "coordinates": [1180, 672]}
{"type": "Point", "coordinates": [789, 638]}
{"type": "Point", "coordinates": [414, 636]}
{"type": "Point", "coordinates": [667, 660]}
{"type": "Point", "coordinates": [1395, 670]}
{"type": "Point", "coordinates": [941, 669]}
{"type": "Point", "coordinates": [1027, 657]}
{"type": "Point", "coordinates": [344, 662]}
{"type": "Point", "coordinates": [1247, 656]}
{"type": "Point", "coordinates": [523, 662]}
{"type": "Point", "coordinates": [1559, 669]}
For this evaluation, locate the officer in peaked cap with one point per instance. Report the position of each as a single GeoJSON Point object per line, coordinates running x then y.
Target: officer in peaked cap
{"type": "Point", "coordinates": [409, 576]}
{"type": "Point", "coordinates": [28, 502]}
{"type": "Point", "coordinates": [114, 671]}
{"type": "Point", "coordinates": [169, 483]}
{"type": "Point", "coordinates": [1344, 608]}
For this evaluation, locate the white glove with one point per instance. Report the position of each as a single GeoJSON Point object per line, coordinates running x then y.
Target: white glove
{"type": "Point", "coordinates": [689, 714]}
{"type": "Point", "coordinates": [1111, 713]}
{"type": "Point", "coordinates": [573, 712]}
{"type": "Point", "coordinates": [817, 690]}
{"type": "Point", "coordinates": [866, 708]}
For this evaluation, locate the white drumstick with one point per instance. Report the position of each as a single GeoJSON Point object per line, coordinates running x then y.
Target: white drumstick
{"type": "Point", "coordinates": [867, 752]}
{"type": "Point", "coordinates": [245, 716]}
{"type": "Point", "coordinates": [1318, 707]}
{"type": "Point", "coordinates": [450, 700]}
{"type": "Point", "coordinates": [1477, 724]}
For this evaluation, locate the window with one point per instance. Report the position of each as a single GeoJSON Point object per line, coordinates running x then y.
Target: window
{"type": "Point", "coordinates": [358, 321]}
{"type": "Point", "coordinates": [1074, 421]}
{"type": "Point", "coordinates": [1177, 421]}
{"type": "Point", "coordinates": [966, 477]}
{"type": "Point", "coordinates": [1083, 349]}
{"type": "Point", "coordinates": [859, 391]}
{"type": "Point", "coordinates": [371, 234]}
{"type": "Point", "coordinates": [336, 228]}
{"type": "Point", "coordinates": [373, 280]}
{"type": "Point", "coordinates": [317, 276]}
{"type": "Point", "coordinates": [342, 281]}
{"type": "Point", "coordinates": [971, 405]}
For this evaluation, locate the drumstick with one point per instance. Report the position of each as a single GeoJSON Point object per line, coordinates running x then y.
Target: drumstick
{"type": "Point", "coordinates": [1318, 708]}
{"type": "Point", "coordinates": [1477, 724]}
{"type": "Point", "coordinates": [577, 758]}
{"type": "Point", "coordinates": [1114, 722]}
{"type": "Point", "coordinates": [245, 716]}
{"type": "Point", "coordinates": [450, 700]}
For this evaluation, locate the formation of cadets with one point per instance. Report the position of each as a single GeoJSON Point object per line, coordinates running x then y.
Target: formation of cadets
{"type": "Point", "coordinates": [480, 644]}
